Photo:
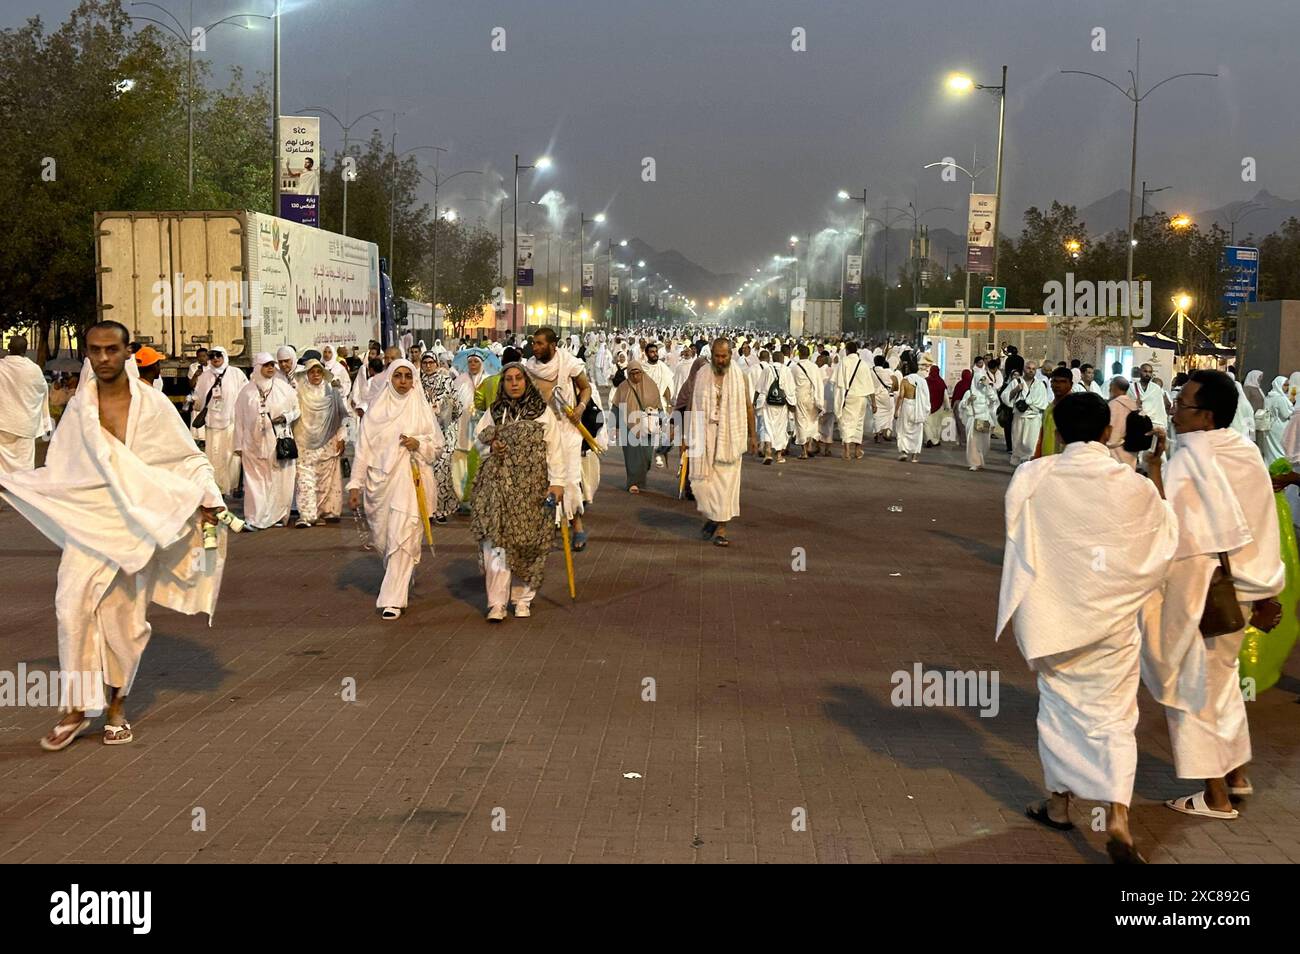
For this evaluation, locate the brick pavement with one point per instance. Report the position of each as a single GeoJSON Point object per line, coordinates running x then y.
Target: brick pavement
{"type": "Point", "coordinates": [772, 695]}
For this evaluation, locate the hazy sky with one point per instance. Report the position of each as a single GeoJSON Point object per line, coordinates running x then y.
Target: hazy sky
{"type": "Point", "coordinates": [752, 140]}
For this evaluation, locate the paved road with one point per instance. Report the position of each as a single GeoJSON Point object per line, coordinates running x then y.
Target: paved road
{"type": "Point", "coordinates": [772, 700]}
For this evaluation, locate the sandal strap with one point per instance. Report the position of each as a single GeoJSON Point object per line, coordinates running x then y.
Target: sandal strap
{"type": "Point", "coordinates": [124, 727]}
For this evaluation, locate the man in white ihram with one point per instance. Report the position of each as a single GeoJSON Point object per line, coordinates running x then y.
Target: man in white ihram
{"type": "Point", "coordinates": [123, 492]}
{"type": "Point", "coordinates": [24, 408]}
{"type": "Point", "coordinates": [1074, 607]}
{"type": "Point", "coordinates": [1220, 491]}
{"type": "Point", "coordinates": [855, 387]}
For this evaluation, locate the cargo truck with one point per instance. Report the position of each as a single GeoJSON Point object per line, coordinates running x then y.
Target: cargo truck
{"type": "Point", "coordinates": [244, 280]}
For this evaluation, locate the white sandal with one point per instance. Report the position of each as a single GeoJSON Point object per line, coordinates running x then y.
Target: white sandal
{"type": "Point", "coordinates": [115, 729]}
{"type": "Point", "coordinates": [391, 612]}
{"type": "Point", "coordinates": [65, 733]}
{"type": "Point", "coordinates": [1195, 805]}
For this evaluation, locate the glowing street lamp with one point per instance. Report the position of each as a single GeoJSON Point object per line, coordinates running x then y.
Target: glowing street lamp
{"type": "Point", "coordinates": [959, 83]}
{"type": "Point", "coordinates": [1180, 221]}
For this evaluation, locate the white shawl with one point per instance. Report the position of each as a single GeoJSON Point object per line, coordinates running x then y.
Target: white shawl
{"type": "Point", "coordinates": [130, 504]}
{"type": "Point", "coordinates": [733, 424]}
{"type": "Point", "coordinates": [24, 398]}
{"type": "Point", "coordinates": [1056, 507]}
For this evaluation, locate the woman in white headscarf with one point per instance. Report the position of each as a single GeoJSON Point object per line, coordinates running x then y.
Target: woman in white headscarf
{"type": "Point", "coordinates": [215, 394]}
{"type": "Point", "coordinates": [266, 407]}
{"type": "Point", "coordinates": [321, 433]}
{"type": "Point", "coordinates": [978, 408]}
{"type": "Point", "coordinates": [1278, 409]}
{"type": "Point", "coordinates": [332, 358]}
{"type": "Point", "coordinates": [397, 430]}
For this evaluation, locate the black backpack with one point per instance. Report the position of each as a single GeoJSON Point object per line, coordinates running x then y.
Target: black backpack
{"type": "Point", "coordinates": [776, 396]}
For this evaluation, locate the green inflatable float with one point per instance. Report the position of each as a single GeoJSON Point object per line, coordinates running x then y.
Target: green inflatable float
{"type": "Point", "coordinates": [1264, 654]}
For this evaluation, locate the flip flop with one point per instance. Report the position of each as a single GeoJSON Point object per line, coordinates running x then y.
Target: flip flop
{"type": "Point", "coordinates": [1195, 805]}
{"type": "Point", "coordinates": [580, 541]}
{"type": "Point", "coordinates": [721, 542]}
{"type": "Point", "coordinates": [1122, 853]}
{"type": "Point", "coordinates": [114, 729]}
{"type": "Point", "coordinates": [66, 733]}
{"type": "Point", "coordinates": [1039, 814]}
{"type": "Point", "coordinates": [1241, 791]}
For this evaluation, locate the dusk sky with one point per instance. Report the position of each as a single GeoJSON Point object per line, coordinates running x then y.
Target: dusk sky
{"type": "Point", "coordinates": [752, 140]}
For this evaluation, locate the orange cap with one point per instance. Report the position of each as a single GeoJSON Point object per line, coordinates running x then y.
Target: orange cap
{"type": "Point", "coordinates": [147, 356]}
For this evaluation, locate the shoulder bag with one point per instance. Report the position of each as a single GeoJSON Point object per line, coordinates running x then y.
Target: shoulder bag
{"type": "Point", "coordinates": [1222, 613]}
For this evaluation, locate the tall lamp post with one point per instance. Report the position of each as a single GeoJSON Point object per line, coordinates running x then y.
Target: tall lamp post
{"type": "Point", "coordinates": [582, 253]}
{"type": "Point", "coordinates": [543, 163]}
{"type": "Point", "coordinates": [347, 131]}
{"type": "Point", "coordinates": [862, 254]}
{"type": "Point", "coordinates": [965, 318]}
{"type": "Point", "coordinates": [437, 182]}
{"type": "Point", "coordinates": [1133, 95]}
{"type": "Point", "coordinates": [187, 36]}
{"type": "Point", "coordinates": [959, 83]}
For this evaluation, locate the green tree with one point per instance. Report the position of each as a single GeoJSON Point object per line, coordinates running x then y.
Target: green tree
{"type": "Point", "coordinates": [94, 117]}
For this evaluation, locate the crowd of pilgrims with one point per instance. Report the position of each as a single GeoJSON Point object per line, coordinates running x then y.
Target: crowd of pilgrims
{"type": "Point", "coordinates": [1145, 516]}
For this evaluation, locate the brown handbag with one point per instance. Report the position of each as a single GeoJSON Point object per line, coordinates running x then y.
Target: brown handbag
{"type": "Point", "coordinates": [1222, 613]}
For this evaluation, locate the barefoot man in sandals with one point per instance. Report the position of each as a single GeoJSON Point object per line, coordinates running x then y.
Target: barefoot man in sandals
{"type": "Point", "coordinates": [1074, 609]}
{"type": "Point", "coordinates": [126, 494]}
{"type": "Point", "coordinates": [719, 428]}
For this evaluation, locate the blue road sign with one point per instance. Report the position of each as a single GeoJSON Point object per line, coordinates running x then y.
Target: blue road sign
{"type": "Point", "coordinates": [1241, 279]}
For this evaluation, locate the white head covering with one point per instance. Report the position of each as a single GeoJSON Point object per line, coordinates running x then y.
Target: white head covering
{"type": "Point", "coordinates": [391, 415]}
{"type": "Point", "coordinates": [321, 406]}
{"type": "Point", "coordinates": [284, 351]}
{"type": "Point", "coordinates": [261, 359]}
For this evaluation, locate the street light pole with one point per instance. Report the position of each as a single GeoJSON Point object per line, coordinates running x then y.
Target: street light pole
{"type": "Point", "coordinates": [275, 118]}
{"type": "Point", "coordinates": [187, 40]}
{"type": "Point", "coordinates": [347, 131]}
{"type": "Point", "coordinates": [1135, 97]}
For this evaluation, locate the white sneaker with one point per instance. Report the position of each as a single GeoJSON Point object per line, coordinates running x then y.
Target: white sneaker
{"type": "Point", "coordinates": [496, 614]}
{"type": "Point", "coordinates": [522, 611]}
{"type": "Point", "coordinates": [391, 612]}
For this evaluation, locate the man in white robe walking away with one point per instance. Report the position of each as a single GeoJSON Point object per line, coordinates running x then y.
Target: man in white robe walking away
{"type": "Point", "coordinates": [1028, 396]}
{"type": "Point", "coordinates": [398, 429]}
{"type": "Point", "coordinates": [1121, 406]}
{"type": "Point", "coordinates": [1221, 493]}
{"type": "Point", "coordinates": [24, 408]}
{"type": "Point", "coordinates": [774, 394]}
{"type": "Point", "coordinates": [855, 390]}
{"type": "Point", "coordinates": [265, 411]}
{"type": "Point", "coordinates": [720, 426]}
{"type": "Point", "coordinates": [1075, 617]}
{"type": "Point", "coordinates": [887, 382]}
{"type": "Point", "coordinates": [810, 393]}
{"type": "Point", "coordinates": [826, 420]}
{"type": "Point", "coordinates": [124, 493]}
{"type": "Point", "coordinates": [913, 412]}
{"type": "Point", "coordinates": [214, 404]}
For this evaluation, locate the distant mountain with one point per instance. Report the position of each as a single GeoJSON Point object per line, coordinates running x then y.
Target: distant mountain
{"type": "Point", "coordinates": [675, 268]}
{"type": "Point", "coordinates": [1257, 216]}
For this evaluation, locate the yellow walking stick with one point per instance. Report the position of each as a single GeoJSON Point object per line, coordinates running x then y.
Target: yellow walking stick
{"type": "Point", "coordinates": [575, 421]}
{"type": "Point", "coordinates": [568, 551]}
{"type": "Point", "coordinates": [681, 480]}
{"type": "Point", "coordinates": [424, 506]}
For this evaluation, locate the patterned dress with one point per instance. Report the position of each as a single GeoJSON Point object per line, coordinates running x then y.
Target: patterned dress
{"type": "Point", "coordinates": [440, 391]}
